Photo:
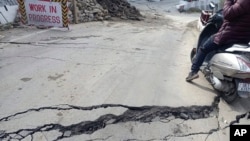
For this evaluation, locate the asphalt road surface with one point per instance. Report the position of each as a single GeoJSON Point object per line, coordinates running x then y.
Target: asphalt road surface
{"type": "Point", "coordinates": [112, 80]}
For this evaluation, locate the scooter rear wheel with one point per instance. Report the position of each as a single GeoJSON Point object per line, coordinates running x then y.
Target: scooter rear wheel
{"type": "Point", "coordinates": [230, 97]}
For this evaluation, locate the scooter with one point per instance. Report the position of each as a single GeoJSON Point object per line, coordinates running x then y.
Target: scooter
{"type": "Point", "coordinates": [228, 69]}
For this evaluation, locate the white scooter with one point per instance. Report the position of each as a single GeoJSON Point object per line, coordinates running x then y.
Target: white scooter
{"type": "Point", "coordinates": [228, 70]}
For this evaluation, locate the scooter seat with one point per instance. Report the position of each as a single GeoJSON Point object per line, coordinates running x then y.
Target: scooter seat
{"type": "Point", "coordinates": [234, 48]}
{"type": "Point", "coordinates": [229, 49]}
{"type": "Point", "coordinates": [239, 48]}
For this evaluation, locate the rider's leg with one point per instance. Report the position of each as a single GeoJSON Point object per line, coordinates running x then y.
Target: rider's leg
{"type": "Point", "coordinates": [207, 47]}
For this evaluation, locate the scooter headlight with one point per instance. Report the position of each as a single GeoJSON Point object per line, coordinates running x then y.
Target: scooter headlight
{"type": "Point", "coordinates": [244, 65]}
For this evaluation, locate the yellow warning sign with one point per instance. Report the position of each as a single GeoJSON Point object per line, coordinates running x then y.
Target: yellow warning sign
{"type": "Point", "coordinates": [44, 12]}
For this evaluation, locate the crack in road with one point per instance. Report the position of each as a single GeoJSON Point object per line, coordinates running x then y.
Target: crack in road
{"type": "Point", "coordinates": [193, 134]}
{"type": "Point", "coordinates": [97, 139]}
{"type": "Point", "coordinates": [38, 58]}
{"type": "Point", "coordinates": [40, 43]}
{"type": "Point", "coordinates": [144, 114]}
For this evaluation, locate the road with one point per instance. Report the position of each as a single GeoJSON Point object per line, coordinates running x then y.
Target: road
{"type": "Point", "coordinates": [111, 80]}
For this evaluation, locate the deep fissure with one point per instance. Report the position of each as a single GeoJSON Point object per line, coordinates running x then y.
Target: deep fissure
{"type": "Point", "coordinates": [144, 114]}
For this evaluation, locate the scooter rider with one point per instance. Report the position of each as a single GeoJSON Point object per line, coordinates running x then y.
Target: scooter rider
{"type": "Point", "coordinates": [235, 29]}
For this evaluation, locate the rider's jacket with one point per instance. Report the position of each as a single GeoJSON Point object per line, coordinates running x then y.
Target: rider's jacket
{"type": "Point", "coordinates": [236, 24]}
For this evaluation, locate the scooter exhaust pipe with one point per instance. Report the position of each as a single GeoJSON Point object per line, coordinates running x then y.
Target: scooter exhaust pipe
{"type": "Point", "coordinates": [227, 87]}
{"type": "Point", "coordinates": [217, 83]}
{"type": "Point", "coordinates": [221, 85]}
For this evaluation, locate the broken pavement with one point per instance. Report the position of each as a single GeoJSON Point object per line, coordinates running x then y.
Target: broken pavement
{"type": "Point", "coordinates": [111, 80]}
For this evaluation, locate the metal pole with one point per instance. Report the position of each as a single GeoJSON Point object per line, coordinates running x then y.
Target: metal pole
{"type": "Point", "coordinates": [75, 12]}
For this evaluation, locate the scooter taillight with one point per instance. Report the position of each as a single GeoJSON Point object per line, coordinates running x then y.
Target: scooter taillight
{"type": "Point", "coordinates": [244, 65]}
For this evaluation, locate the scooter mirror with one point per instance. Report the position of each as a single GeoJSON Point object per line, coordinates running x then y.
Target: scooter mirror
{"type": "Point", "coordinates": [211, 5]}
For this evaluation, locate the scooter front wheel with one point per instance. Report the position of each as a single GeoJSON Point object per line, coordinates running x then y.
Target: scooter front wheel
{"type": "Point", "coordinates": [192, 54]}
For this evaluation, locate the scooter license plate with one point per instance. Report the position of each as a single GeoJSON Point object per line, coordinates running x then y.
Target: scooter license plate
{"type": "Point", "coordinates": [244, 87]}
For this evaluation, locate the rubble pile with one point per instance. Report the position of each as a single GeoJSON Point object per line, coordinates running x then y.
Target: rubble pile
{"type": "Point", "coordinates": [87, 10]}
{"type": "Point", "coordinates": [98, 10]}
{"type": "Point", "coordinates": [121, 9]}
